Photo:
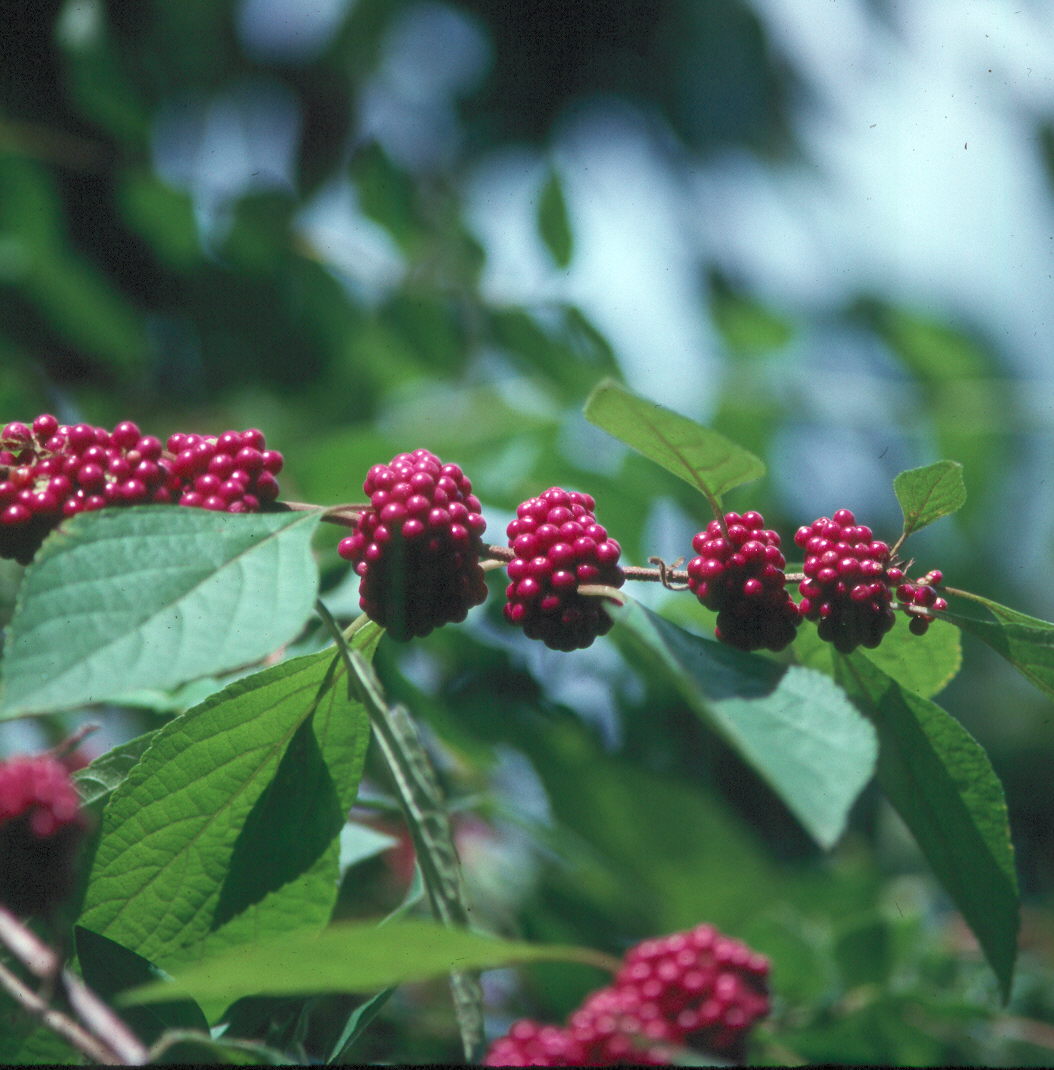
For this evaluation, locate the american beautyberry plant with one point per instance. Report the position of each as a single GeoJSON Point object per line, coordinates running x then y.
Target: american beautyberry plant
{"type": "Point", "coordinates": [215, 852]}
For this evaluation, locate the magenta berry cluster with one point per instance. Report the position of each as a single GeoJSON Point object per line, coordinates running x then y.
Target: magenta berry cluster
{"type": "Point", "coordinates": [923, 596]}
{"type": "Point", "coordinates": [691, 990]}
{"type": "Point", "coordinates": [559, 545]}
{"type": "Point", "coordinates": [52, 470]}
{"type": "Point", "coordinates": [49, 471]}
{"type": "Point", "coordinates": [40, 830]}
{"type": "Point", "coordinates": [417, 547]}
{"type": "Point", "coordinates": [230, 473]}
{"type": "Point", "coordinates": [848, 574]}
{"type": "Point", "coordinates": [739, 573]}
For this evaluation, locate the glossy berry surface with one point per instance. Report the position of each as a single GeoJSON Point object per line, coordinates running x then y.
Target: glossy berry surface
{"type": "Point", "coordinates": [739, 573]}
{"type": "Point", "coordinates": [50, 470]}
{"type": "Point", "coordinates": [559, 545]}
{"type": "Point", "coordinates": [40, 830]}
{"type": "Point", "coordinates": [846, 588]}
{"type": "Point", "coordinates": [530, 1043]}
{"type": "Point", "coordinates": [233, 472]}
{"type": "Point", "coordinates": [695, 990]}
{"type": "Point", "coordinates": [417, 548]}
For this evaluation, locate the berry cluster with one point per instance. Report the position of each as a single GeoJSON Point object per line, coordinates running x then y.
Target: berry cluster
{"type": "Point", "coordinates": [922, 594]}
{"type": "Point", "coordinates": [739, 574]}
{"type": "Point", "coordinates": [40, 830]}
{"type": "Point", "coordinates": [695, 989]}
{"type": "Point", "coordinates": [848, 574]}
{"type": "Point", "coordinates": [232, 473]}
{"type": "Point", "coordinates": [50, 471]}
{"type": "Point", "coordinates": [418, 545]}
{"type": "Point", "coordinates": [558, 545]}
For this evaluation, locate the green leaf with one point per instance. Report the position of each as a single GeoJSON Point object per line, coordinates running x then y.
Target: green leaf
{"type": "Point", "coordinates": [233, 814]}
{"type": "Point", "coordinates": [925, 664]}
{"type": "Point", "coordinates": [701, 457]}
{"type": "Point", "coordinates": [110, 770]}
{"type": "Point", "coordinates": [793, 725]}
{"type": "Point", "coordinates": [940, 781]}
{"type": "Point", "coordinates": [353, 957]}
{"type": "Point", "coordinates": [927, 494]}
{"type": "Point", "coordinates": [1026, 642]}
{"type": "Point", "coordinates": [180, 1047]}
{"type": "Point", "coordinates": [110, 969]}
{"type": "Point", "coordinates": [553, 223]}
{"type": "Point", "coordinates": [154, 596]}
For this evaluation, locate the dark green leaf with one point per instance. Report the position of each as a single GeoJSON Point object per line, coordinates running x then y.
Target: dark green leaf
{"type": "Point", "coordinates": [174, 860]}
{"type": "Point", "coordinates": [553, 223]}
{"type": "Point", "coordinates": [941, 783]}
{"type": "Point", "coordinates": [110, 969]}
{"type": "Point", "coordinates": [183, 1048]}
{"type": "Point", "coordinates": [1026, 642]}
{"type": "Point", "coordinates": [793, 725]}
{"type": "Point", "coordinates": [701, 457]}
{"type": "Point", "coordinates": [927, 494]}
{"type": "Point", "coordinates": [359, 957]}
{"type": "Point", "coordinates": [152, 597]}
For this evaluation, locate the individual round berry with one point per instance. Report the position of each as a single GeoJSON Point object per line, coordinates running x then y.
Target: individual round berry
{"type": "Point", "coordinates": [739, 574]}
{"type": "Point", "coordinates": [530, 1043]}
{"type": "Point", "coordinates": [558, 546]}
{"type": "Point", "coordinates": [846, 588]}
{"type": "Point", "coordinates": [41, 827]}
{"type": "Point", "coordinates": [417, 548]}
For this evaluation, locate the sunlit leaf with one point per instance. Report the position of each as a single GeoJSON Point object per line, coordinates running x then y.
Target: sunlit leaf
{"type": "Point", "coordinates": [793, 725]}
{"type": "Point", "coordinates": [152, 597]}
{"type": "Point", "coordinates": [701, 457]}
{"type": "Point", "coordinates": [926, 494]}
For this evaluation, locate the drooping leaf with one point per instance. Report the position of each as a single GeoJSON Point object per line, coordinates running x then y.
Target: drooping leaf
{"type": "Point", "coordinates": [925, 664]}
{"type": "Point", "coordinates": [926, 494]}
{"type": "Point", "coordinates": [701, 457]}
{"type": "Point", "coordinates": [553, 223]}
{"type": "Point", "coordinates": [111, 769]}
{"type": "Point", "coordinates": [110, 969]}
{"type": "Point", "coordinates": [1026, 642]}
{"type": "Point", "coordinates": [793, 725]}
{"type": "Point", "coordinates": [353, 957]}
{"type": "Point", "coordinates": [180, 859]}
{"type": "Point", "coordinates": [940, 781]}
{"type": "Point", "coordinates": [152, 597]}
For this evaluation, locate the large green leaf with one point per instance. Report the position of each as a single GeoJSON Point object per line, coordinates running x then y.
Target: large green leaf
{"type": "Point", "coordinates": [794, 725]}
{"type": "Point", "coordinates": [701, 457]}
{"type": "Point", "coordinates": [358, 957]}
{"type": "Point", "coordinates": [1026, 642]}
{"type": "Point", "coordinates": [927, 494]}
{"type": "Point", "coordinates": [940, 781]}
{"type": "Point", "coordinates": [924, 664]}
{"type": "Point", "coordinates": [553, 224]}
{"type": "Point", "coordinates": [227, 828]}
{"type": "Point", "coordinates": [151, 597]}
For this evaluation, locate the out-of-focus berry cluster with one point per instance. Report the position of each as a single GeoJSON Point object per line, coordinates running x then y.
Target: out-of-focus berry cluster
{"type": "Point", "coordinates": [691, 990]}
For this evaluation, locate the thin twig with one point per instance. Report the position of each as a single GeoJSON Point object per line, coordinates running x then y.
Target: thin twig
{"type": "Point", "coordinates": [24, 944]}
{"type": "Point", "coordinates": [57, 1022]}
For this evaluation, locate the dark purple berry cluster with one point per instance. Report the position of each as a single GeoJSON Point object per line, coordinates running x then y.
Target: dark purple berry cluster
{"type": "Point", "coordinates": [417, 547]}
{"type": "Point", "coordinates": [40, 830]}
{"type": "Point", "coordinates": [739, 574]}
{"type": "Point", "coordinates": [559, 545]}
{"type": "Point", "coordinates": [51, 470]}
{"type": "Point", "coordinates": [229, 473]}
{"type": "Point", "coordinates": [847, 581]}
{"type": "Point", "coordinates": [696, 989]}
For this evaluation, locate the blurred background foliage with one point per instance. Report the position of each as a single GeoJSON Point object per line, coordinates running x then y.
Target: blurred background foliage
{"type": "Point", "coordinates": [371, 225]}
